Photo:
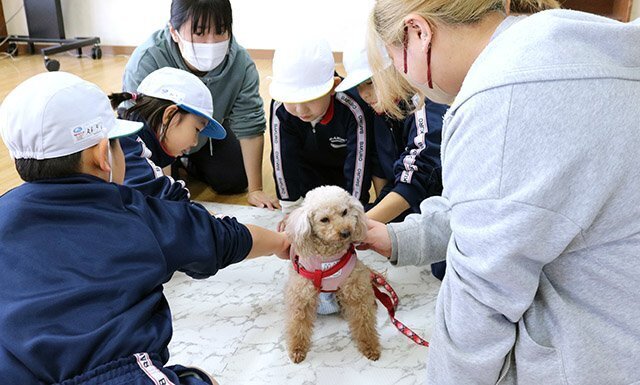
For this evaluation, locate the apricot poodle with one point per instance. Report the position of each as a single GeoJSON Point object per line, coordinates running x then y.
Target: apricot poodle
{"type": "Point", "coordinates": [322, 232]}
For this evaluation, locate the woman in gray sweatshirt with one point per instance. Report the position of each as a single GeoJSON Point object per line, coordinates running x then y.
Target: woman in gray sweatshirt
{"type": "Point", "coordinates": [199, 39]}
{"type": "Point", "coordinates": [540, 214]}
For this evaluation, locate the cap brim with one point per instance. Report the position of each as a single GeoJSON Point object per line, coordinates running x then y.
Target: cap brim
{"type": "Point", "coordinates": [353, 80]}
{"type": "Point", "coordinates": [291, 94]}
{"type": "Point", "coordinates": [124, 128]}
{"type": "Point", "coordinates": [213, 129]}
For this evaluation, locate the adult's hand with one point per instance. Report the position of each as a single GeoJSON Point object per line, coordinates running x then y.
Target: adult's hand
{"type": "Point", "coordinates": [377, 239]}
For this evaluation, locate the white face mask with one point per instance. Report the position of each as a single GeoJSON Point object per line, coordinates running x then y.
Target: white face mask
{"type": "Point", "coordinates": [435, 94]}
{"type": "Point", "coordinates": [430, 90]}
{"type": "Point", "coordinates": [203, 56]}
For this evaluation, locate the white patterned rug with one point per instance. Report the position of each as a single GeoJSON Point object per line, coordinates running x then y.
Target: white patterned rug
{"type": "Point", "coordinates": [231, 325]}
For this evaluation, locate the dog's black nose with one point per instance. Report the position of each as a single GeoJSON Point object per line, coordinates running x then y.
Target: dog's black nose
{"type": "Point", "coordinates": [345, 234]}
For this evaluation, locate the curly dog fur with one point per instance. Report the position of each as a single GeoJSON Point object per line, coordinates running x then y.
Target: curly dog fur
{"type": "Point", "coordinates": [328, 221]}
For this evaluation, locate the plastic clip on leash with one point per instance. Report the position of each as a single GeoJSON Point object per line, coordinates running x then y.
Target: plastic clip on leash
{"type": "Point", "coordinates": [390, 301]}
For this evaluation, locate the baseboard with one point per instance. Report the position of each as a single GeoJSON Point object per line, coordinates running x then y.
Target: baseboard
{"type": "Point", "coordinates": [256, 54]}
{"type": "Point", "coordinates": [23, 49]}
{"type": "Point", "coordinates": [267, 54]}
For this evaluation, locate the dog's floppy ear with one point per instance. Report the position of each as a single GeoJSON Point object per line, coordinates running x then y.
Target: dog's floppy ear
{"type": "Point", "coordinates": [298, 227]}
{"type": "Point", "coordinates": [361, 226]}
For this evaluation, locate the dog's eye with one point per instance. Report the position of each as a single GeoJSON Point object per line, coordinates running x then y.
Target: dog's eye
{"type": "Point", "coordinates": [324, 220]}
{"type": "Point", "coordinates": [344, 212]}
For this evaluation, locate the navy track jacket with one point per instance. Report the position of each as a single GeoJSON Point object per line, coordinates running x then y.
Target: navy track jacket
{"type": "Point", "coordinates": [83, 263]}
{"type": "Point", "coordinates": [145, 158]}
{"type": "Point", "coordinates": [408, 153]}
{"type": "Point", "coordinates": [335, 151]}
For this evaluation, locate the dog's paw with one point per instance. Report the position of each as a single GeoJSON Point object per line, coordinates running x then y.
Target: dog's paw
{"type": "Point", "coordinates": [297, 355]}
{"type": "Point", "coordinates": [372, 352]}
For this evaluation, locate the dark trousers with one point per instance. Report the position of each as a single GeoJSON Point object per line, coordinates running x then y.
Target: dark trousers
{"type": "Point", "coordinates": [219, 164]}
{"type": "Point", "coordinates": [130, 371]}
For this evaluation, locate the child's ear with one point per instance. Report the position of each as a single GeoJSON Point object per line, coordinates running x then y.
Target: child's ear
{"type": "Point", "coordinates": [95, 160]}
{"type": "Point", "coordinates": [168, 114]}
{"type": "Point", "coordinates": [336, 81]}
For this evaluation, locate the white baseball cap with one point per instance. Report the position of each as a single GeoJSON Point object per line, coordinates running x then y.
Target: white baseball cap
{"type": "Point", "coordinates": [187, 91]}
{"type": "Point", "coordinates": [55, 114]}
{"type": "Point", "coordinates": [303, 70]}
{"type": "Point", "coordinates": [356, 63]}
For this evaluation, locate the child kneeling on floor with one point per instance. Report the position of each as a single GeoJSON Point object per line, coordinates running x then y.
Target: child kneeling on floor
{"type": "Point", "coordinates": [83, 260]}
{"type": "Point", "coordinates": [319, 137]}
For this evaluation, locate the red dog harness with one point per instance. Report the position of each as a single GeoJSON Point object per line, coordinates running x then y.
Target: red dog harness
{"type": "Point", "coordinates": [326, 274]}
{"type": "Point", "coordinates": [337, 270]}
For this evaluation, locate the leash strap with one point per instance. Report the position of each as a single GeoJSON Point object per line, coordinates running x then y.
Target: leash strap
{"type": "Point", "coordinates": [390, 301]}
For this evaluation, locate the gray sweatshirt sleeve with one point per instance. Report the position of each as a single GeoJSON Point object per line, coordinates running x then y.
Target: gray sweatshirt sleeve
{"type": "Point", "coordinates": [422, 238]}
{"type": "Point", "coordinates": [501, 236]}
{"type": "Point", "coordinates": [246, 117]}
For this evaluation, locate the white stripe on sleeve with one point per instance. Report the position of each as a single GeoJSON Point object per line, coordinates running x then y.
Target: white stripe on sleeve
{"type": "Point", "coordinates": [361, 142]}
{"type": "Point", "coordinates": [420, 141]}
{"type": "Point", "coordinates": [277, 152]}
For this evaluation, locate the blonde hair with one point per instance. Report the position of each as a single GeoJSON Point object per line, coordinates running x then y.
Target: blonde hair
{"type": "Point", "coordinates": [386, 24]}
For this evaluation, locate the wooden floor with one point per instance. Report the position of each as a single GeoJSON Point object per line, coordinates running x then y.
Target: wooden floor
{"type": "Point", "coordinates": [107, 73]}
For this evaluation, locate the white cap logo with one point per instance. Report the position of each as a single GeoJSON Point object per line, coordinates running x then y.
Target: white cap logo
{"type": "Point", "coordinates": [87, 131]}
{"type": "Point", "coordinates": [173, 95]}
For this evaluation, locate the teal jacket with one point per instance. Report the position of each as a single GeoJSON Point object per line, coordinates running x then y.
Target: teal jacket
{"type": "Point", "coordinates": [234, 84]}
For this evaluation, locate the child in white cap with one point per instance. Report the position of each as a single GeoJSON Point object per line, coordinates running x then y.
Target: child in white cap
{"type": "Point", "coordinates": [406, 157]}
{"type": "Point", "coordinates": [175, 107]}
{"type": "Point", "coordinates": [319, 137]}
{"type": "Point", "coordinates": [83, 260]}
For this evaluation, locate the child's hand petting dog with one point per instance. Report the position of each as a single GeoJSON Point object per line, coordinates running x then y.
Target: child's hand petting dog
{"type": "Point", "coordinates": [283, 223]}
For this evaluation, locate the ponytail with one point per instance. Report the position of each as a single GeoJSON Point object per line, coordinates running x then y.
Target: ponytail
{"type": "Point", "coordinates": [117, 98]}
{"type": "Point", "coordinates": [529, 6]}
{"type": "Point", "coordinates": [149, 108]}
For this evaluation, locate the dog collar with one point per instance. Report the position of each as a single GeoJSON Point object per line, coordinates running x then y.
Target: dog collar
{"type": "Point", "coordinates": [328, 276]}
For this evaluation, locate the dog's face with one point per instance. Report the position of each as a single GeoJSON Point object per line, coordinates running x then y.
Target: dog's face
{"type": "Point", "coordinates": [335, 224]}
{"type": "Point", "coordinates": [328, 219]}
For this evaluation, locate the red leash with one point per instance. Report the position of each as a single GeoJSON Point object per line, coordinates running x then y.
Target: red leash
{"type": "Point", "coordinates": [391, 302]}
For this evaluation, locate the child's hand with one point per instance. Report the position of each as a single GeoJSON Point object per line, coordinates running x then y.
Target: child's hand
{"type": "Point", "coordinates": [286, 246]}
{"type": "Point", "coordinates": [267, 242]}
{"type": "Point", "coordinates": [377, 239]}
{"type": "Point", "coordinates": [283, 223]}
{"type": "Point", "coordinates": [261, 199]}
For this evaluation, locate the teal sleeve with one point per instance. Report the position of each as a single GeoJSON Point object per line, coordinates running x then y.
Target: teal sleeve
{"type": "Point", "coordinates": [139, 66]}
{"type": "Point", "coordinates": [247, 118]}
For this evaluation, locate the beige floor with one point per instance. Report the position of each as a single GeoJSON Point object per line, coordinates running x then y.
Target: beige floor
{"type": "Point", "coordinates": [107, 73]}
